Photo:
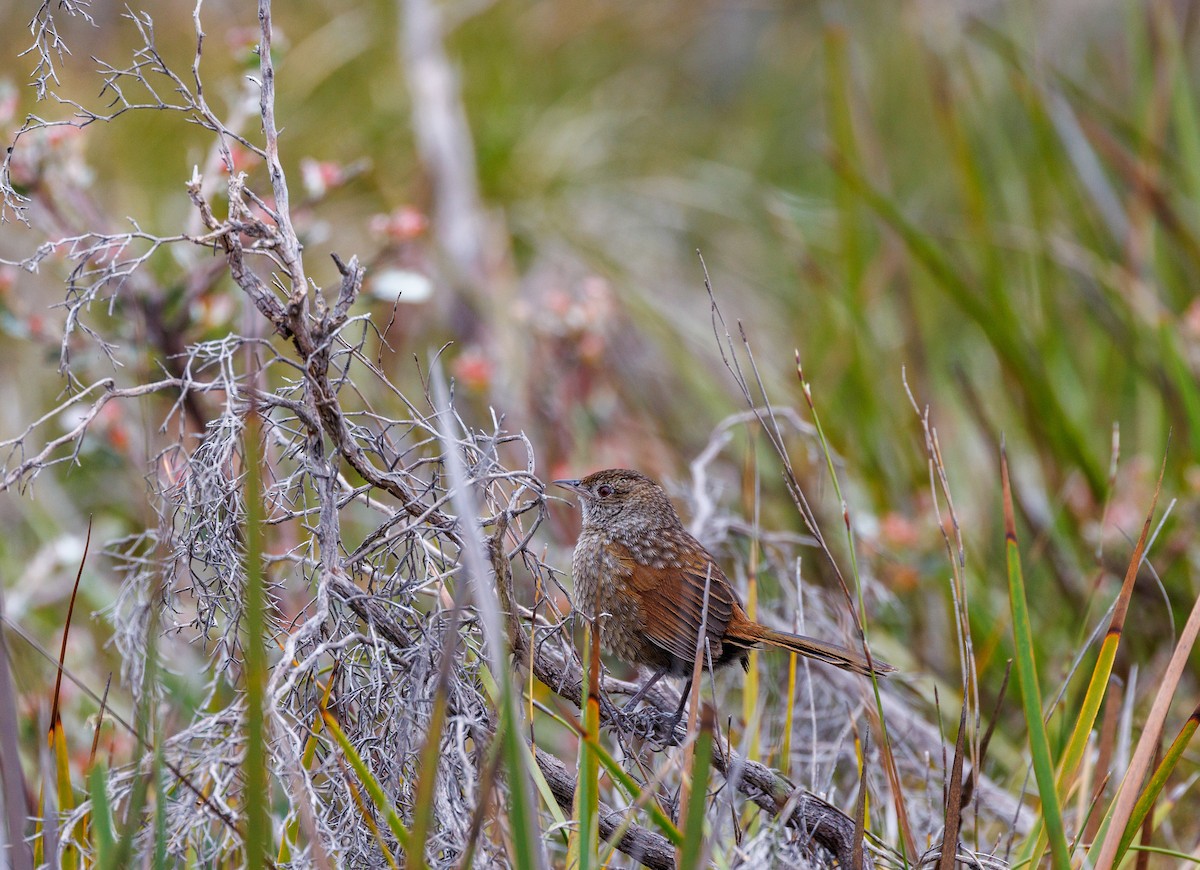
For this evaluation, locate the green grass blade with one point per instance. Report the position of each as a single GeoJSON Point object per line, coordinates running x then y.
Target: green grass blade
{"type": "Point", "coordinates": [369, 820]}
{"type": "Point", "coordinates": [430, 754]}
{"type": "Point", "coordinates": [1183, 378]}
{"type": "Point", "coordinates": [292, 831]}
{"type": "Point", "coordinates": [374, 789]}
{"type": "Point", "coordinates": [546, 793]}
{"type": "Point", "coordinates": [133, 822]}
{"type": "Point", "coordinates": [1053, 422]}
{"type": "Point", "coordinates": [691, 852]}
{"type": "Point", "coordinates": [159, 860]}
{"type": "Point", "coordinates": [1157, 781]}
{"type": "Point", "coordinates": [1039, 745]}
{"type": "Point", "coordinates": [1105, 846]}
{"type": "Point", "coordinates": [1181, 859]}
{"type": "Point", "coordinates": [785, 750]}
{"type": "Point", "coordinates": [62, 768]}
{"type": "Point", "coordinates": [526, 837]}
{"type": "Point", "coordinates": [838, 102]}
{"type": "Point", "coordinates": [256, 796]}
{"type": "Point", "coordinates": [1186, 124]}
{"type": "Point", "coordinates": [12, 777]}
{"type": "Point", "coordinates": [103, 836]}
{"type": "Point", "coordinates": [535, 773]}
{"type": "Point", "coordinates": [585, 839]}
{"type": "Point", "coordinates": [1098, 684]}
{"type": "Point", "coordinates": [640, 796]}
{"type": "Point", "coordinates": [141, 784]}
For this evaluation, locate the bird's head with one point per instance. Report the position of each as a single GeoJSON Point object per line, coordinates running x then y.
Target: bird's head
{"type": "Point", "coordinates": [620, 497]}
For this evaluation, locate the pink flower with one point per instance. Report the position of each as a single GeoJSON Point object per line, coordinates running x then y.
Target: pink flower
{"type": "Point", "coordinates": [473, 369]}
{"type": "Point", "coordinates": [401, 225]}
{"type": "Point", "coordinates": [320, 175]}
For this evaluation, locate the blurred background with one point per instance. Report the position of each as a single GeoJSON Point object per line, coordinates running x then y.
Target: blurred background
{"type": "Point", "coordinates": [993, 203]}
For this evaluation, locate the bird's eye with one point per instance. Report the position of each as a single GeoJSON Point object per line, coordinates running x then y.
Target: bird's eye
{"type": "Point", "coordinates": [604, 490]}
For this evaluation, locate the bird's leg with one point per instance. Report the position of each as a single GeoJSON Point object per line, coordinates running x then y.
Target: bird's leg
{"type": "Point", "coordinates": [683, 699]}
{"type": "Point", "coordinates": [615, 715]}
{"type": "Point", "coordinates": [641, 693]}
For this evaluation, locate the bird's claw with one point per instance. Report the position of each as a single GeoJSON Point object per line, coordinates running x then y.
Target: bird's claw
{"type": "Point", "coordinates": [650, 724]}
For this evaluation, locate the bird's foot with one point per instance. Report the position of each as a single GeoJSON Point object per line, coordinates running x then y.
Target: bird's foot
{"type": "Point", "coordinates": [670, 727]}
{"type": "Point", "coordinates": [651, 724]}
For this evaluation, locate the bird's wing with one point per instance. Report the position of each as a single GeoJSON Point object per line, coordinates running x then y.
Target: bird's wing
{"type": "Point", "coordinates": [670, 597]}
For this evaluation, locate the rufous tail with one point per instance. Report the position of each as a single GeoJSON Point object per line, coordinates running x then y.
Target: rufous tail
{"type": "Point", "coordinates": [830, 653]}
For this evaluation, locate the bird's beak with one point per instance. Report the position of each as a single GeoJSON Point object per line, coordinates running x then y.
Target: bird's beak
{"type": "Point", "coordinates": [573, 485]}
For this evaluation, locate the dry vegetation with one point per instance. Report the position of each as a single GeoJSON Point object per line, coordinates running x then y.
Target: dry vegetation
{"type": "Point", "coordinates": [328, 622]}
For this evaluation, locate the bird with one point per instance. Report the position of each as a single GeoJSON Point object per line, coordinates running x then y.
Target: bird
{"type": "Point", "coordinates": [641, 576]}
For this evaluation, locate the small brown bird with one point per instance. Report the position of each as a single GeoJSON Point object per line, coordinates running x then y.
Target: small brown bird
{"type": "Point", "coordinates": [639, 569]}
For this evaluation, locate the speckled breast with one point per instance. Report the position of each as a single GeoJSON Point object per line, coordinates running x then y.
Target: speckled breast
{"type": "Point", "coordinates": [598, 593]}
